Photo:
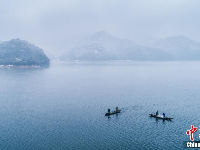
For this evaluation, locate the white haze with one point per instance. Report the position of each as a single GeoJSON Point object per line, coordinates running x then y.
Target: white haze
{"type": "Point", "coordinates": [54, 24]}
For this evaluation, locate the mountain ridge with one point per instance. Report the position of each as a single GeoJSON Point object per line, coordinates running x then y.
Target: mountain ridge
{"type": "Point", "coordinates": [181, 47]}
{"type": "Point", "coordinates": [103, 46]}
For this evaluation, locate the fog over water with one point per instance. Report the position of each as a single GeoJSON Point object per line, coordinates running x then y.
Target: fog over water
{"type": "Point", "coordinates": [54, 24]}
{"type": "Point", "coordinates": [139, 55]}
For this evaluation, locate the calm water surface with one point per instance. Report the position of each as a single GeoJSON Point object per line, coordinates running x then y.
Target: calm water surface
{"type": "Point", "coordinates": [63, 107]}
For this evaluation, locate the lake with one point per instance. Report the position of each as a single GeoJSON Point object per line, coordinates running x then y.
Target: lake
{"type": "Point", "coordinates": [63, 107]}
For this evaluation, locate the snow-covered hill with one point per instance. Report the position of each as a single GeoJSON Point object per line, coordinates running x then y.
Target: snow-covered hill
{"type": "Point", "coordinates": [103, 46]}
{"type": "Point", "coordinates": [20, 52]}
{"type": "Point", "coordinates": [182, 48]}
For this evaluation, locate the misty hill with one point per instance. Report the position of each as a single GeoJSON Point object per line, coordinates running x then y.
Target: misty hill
{"type": "Point", "coordinates": [182, 48]}
{"type": "Point", "coordinates": [103, 46]}
{"type": "Point", "coordinates": [21, 53]}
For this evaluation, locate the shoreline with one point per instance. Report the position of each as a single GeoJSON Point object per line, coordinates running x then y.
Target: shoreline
{"type": "Point", "coordinates": [21, 66]}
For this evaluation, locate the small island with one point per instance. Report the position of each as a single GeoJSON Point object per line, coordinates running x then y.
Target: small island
{"type": "Point", "coordinates": [20, 53]}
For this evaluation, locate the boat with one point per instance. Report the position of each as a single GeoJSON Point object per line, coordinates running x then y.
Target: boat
{"type": "Point", "coordinates": [160, 117]}
{"type": "Point", "coordinates": [112, 113]}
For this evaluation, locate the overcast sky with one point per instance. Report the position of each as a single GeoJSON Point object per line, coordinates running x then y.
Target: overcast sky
{"type": "Point", "coordinates": [51, 23]}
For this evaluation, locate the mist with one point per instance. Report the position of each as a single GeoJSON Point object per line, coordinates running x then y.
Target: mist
{"type": "Point", "coordinates": [99, 74]}
{"type": "Point", "coordinates": [54, 24]}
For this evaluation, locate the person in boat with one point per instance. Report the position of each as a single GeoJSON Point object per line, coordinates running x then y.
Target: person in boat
{"type": "Point", "coordinates": [117, 109]}
{"type": "Point", "coordinates": [108, 110]}
{"type": "Point", "coordinates": [157, 113]}
{"type": "Point", "coordinates": [163, 115]}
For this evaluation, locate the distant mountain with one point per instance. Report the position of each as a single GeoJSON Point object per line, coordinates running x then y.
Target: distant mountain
{"type": "Point", "coordinates": [182, 48]}
{"type": "Point", "coordinates": [52, 56]}
{"type": "Point", "coordinates": [21, 53]}
{"type": "Point", "coordinates": [103, 46]}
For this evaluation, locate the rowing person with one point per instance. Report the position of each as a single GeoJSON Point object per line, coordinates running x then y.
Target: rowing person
{"type": "Point", "coordinates": [157, 113]}
{"type": "Point", "coordinates": [116, 109]}
{"type": "Point", "coordinates": [163, 115]}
